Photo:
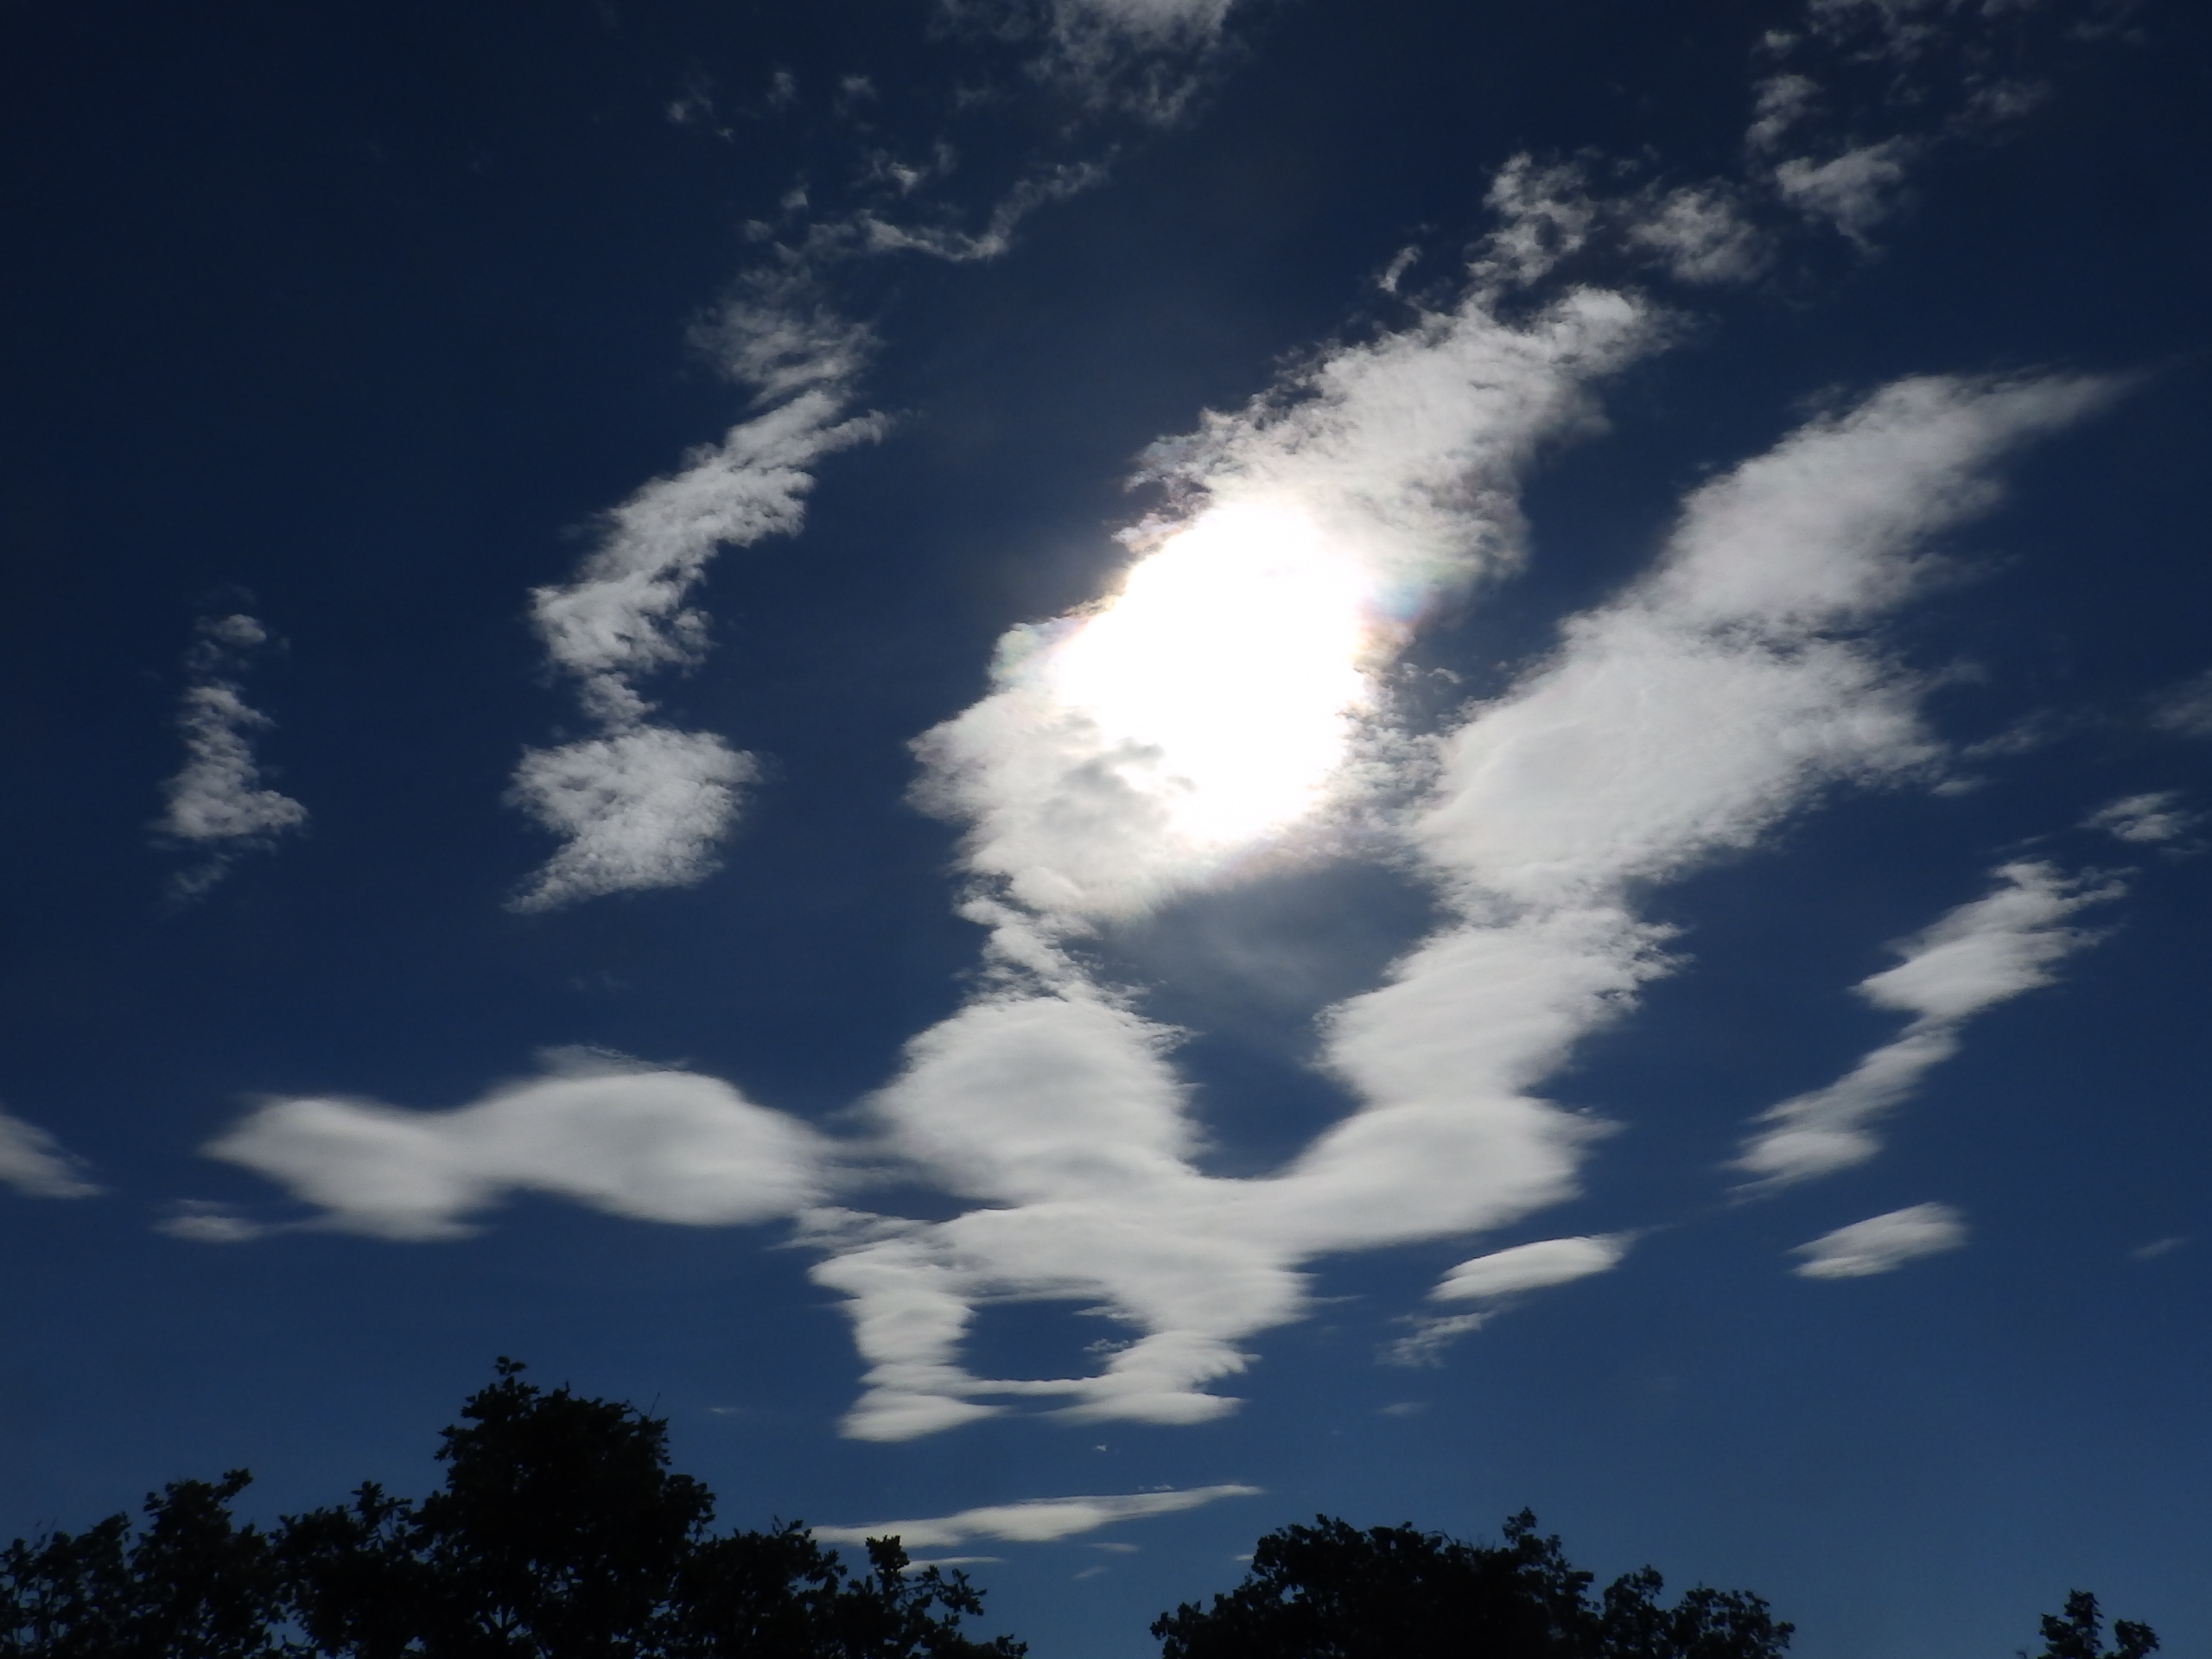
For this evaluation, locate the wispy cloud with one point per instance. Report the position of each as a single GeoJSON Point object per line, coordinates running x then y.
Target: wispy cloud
{"type": "Point", "coordinates": [636, 804]}
{"type": "Point", "coordinates": [2148, 820]}
{"type": "Point", "coordinates": [1882, 1244]}
{"type": "Point", "coordinates": [1035, 1520]}
{"type": "Point", "coordinates": [1494, 1280]}
{"type": "Point", "coordinates": [217, 805]}
{"type": "Point", "coordinates": [1978, 956]}
{"type": "Point", "coordinates": [1854, 191]}
{"type": "Point", "coordinates": [35, 1164]}
{"type": "Point", "coordinates": [2186, 710]}
{"type": "Point", "coordinates": [645, 807]}
{"type": "Point", "coordinates": [1146, 58]}
{"type": "Point", "coordinates": [639, 806]}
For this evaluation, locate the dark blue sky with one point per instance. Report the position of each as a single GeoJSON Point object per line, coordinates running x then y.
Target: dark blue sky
{"type": "Point", "coordinates": [1756, 555]}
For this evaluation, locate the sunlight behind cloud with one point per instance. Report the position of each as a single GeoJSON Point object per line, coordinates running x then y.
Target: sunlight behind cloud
{"type": "Point", "coordinates": [1227, 673]}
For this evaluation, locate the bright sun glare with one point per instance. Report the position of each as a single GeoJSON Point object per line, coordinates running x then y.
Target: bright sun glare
{"type": "Point", "coordinates": [1233, 654]}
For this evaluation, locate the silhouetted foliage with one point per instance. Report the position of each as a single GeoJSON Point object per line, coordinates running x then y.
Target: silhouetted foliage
{"type": "Point", "coordinates": [2078, 1633]}
{"type": "Point", "coordinates": [560, 1533]}
{"type": "Point", "coordinates": [1332, 1592]}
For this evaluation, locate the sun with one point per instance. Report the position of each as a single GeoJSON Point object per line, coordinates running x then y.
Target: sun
{"type": "Point", "coordinates": [1228, 672]}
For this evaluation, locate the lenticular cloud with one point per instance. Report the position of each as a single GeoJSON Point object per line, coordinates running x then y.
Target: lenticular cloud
{"type": "Point", "coordinates": [1217, 705]}
{"type": "Point", "coordinates": [1733, 686]}
{"type": "Point", "coordinates": [1211, 706]}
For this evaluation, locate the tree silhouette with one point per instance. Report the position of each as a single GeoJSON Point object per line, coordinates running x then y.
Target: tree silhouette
{"type": "Point", "coordinates": [1332, 1592]}
{"type": "Point", "coordinates": [2078, 1633]}
{"type": "Point", "coordinates": [559, 1533]}
{"type": "Point", "coordinates": [191, 1585]}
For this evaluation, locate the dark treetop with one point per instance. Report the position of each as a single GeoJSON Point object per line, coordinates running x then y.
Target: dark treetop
{"type": "Point", "coordinates": [560, 1533]}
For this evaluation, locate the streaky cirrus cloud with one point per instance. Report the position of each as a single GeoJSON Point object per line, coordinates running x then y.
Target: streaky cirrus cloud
{"type": "Point", "coordinates": [37, 1166]}
{"type": "Point", "coordinates": [217, 804]}
{"type": "Point", "coordinates": [1978, 956]}
{"type": "Point", "coordinates": [1034, 1520]}
{"type": "Point", "coordinates": [1882, 1244]}
{"type": "Point", "coordinates": [649, 1142]}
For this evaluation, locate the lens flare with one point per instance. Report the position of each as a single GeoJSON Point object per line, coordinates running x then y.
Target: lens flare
{"type": "Point", "coordinates": [1227, 673]}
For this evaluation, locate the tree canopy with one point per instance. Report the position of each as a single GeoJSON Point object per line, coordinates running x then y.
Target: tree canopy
{"type": "Point", "coordinates": [1331, 1591]}
{"type": "Point", "coordinates": [559, 1533]}
{"type": "Point", "coordinates": [2078, 1633]}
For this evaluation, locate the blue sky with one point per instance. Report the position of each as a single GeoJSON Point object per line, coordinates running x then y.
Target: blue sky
{"type": "Point", "coordinates": [1097, 771]}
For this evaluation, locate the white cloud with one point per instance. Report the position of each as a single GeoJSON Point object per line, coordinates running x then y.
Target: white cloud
{"type": "Point", "coordinates": [35, 1164]}
{"type": "Point", "coordinates": [1040, 187]}
{"type": "Point", "coordinates": [1685, 719]}
{"type": "Point", "coordinates": [1130, 752]}
{"type": "Point", "coordinates": [1033, 1520]}
{"type": "Point", "coordinates": [217, 804]}
{"type": "Point", "coordinates": [1781, 102]}
{"type": "Point", "coordinates": [626, 614]}
{"type": "Point", "coordinates": [1854, 191]}
{"type": "Point", "coordinates": [1426, 1342]}
{"type": "Point", "coordinates": [1494, 1279]}
{"type": "Point", "coordinates": [1882, 1244]}
{"type": "Point", "coordinates": [1548, 213]}
{"type": "Point", "coordinates": [1545, 214]}
{"type": "Point", "coordinates": [640, 805]}
{"type": "Point", "coordinates": [1898, 28]}
{"type": "Point", "coordinates": [2145, 820]}
{"type": "Point", "coordinates": [632, 1139]}
{"type": "Point", "coordinates": [1146, 58]}
{"type": "Point", "coordinates": [1978, 956]}
{"type": "Point", "coordinates": [1682, 720]}
{"type": "Point", "coordinates": [644, 808]}
{"type": "Point", "coordinates": [1532, 1267]}
{"type": "Point", "coordinates": [203, 1221]}
{"type": "Point", "coordinates": [2186, 710]}
{"type": "Point", "coordinates": [1699, 234]}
